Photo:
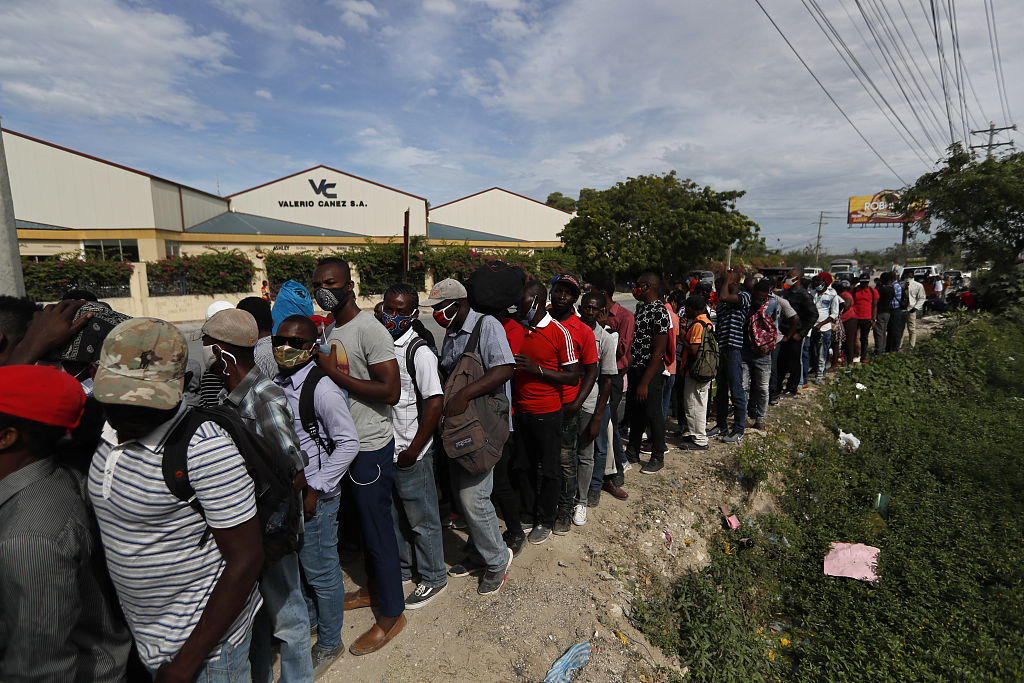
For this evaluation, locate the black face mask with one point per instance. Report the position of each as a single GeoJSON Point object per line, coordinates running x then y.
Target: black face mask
{"type": "Point", "coordinates": [331, 299]}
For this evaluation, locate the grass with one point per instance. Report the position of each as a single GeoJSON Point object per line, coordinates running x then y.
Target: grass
{"type": "Point", "coordinates": [941, 431]}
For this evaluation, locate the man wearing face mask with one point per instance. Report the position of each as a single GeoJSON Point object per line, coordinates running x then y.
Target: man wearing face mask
{"type": "Point", "coordinates": [264, 409]}
{"type": "Point", "coordinates": [546, 362]}
{"type": "Point", "coordinates": [790, 355]}
{"type": "Point", "coordinates": [332, 447]}
{"type": "Point", "coordinates": [450, 302]}
{"type": "Point", "coordinates": [190, 606]}
{"type": "Point", "coordinates": [415, 417]}
{"type": "Point", "coordinates": [373, 385]}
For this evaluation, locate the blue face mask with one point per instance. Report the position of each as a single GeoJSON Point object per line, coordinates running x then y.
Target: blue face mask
{"type": "Point", "coordinates": [396, 324]}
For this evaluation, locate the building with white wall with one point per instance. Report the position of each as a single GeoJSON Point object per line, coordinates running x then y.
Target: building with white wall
{"type": "Point", "coordinates": [505, 214]}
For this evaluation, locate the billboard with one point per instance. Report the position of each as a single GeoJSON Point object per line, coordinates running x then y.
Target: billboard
{"type": "Point", "coordinates": [878, 208]}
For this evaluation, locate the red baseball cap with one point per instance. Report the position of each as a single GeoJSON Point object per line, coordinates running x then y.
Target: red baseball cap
{"type": "Point", "coordinates": [42, 394]}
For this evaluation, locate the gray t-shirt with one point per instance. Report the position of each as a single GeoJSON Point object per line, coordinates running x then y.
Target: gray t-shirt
{"type": "Point", "coordinates": [606, 362]}
{"type": "Point", "coordinates": [366, 343]}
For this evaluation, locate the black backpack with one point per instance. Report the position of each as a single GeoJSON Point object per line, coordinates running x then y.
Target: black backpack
{"type": "Point", "coordinates": [307, 411]}
{"type": "Point", "coordinates": [704, 367]}
{"type": "Point", "coordinates": [272, 471]}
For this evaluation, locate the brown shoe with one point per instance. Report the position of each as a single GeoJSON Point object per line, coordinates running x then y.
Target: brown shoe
{"type": "Point", "coordinates": [759, 426]}
{"type": "Point", "coordinates": [357, 599]}
{"type": "Point", "coordinates": [375, 638]}
{"type": "Point", "coordinates": [616, 491]}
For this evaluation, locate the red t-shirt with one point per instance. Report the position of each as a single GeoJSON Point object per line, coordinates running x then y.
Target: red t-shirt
{"type": "Point", "coordinates": [849, 311]}
{"type": "Point", "coordinates": [551, 347]}
{"type": "Point", "coordinates": [514, 333]}
{"type": "Point", "coordinates": [586, 350]}
{"type": "Point", "coordinates": [862, 299]}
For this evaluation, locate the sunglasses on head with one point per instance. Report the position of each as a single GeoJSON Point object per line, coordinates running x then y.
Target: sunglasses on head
{"type": "Point", "coordinates": [294, 342]}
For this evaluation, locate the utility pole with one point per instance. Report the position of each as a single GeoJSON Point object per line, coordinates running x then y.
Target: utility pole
{"type": "Point", "coordinates": [992, 130]}
{"type": "Point", "coordinates": [12, 281]}
{"type": "Point", "coordinates": [817, 245]}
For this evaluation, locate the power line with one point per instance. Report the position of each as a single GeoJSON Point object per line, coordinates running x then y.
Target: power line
{"type": "Point", "coordinates": [997, 62]}
{"type": "Point", "coordinates": [942, 73]}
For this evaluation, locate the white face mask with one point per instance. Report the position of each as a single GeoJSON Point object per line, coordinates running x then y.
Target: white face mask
{"type": "Point", "coordinates": [224, 355]}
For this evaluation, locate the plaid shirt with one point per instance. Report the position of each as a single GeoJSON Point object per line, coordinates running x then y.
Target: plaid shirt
{"type": "Point", "coordinates": [264, 408]}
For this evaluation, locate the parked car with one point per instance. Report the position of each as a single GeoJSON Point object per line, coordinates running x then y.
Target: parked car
{"type": "Point", "coordinates": [701, 276]}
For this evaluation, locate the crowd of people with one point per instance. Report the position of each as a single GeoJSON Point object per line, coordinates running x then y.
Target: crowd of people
{"type": "Point", "coordinates": [173, 517]}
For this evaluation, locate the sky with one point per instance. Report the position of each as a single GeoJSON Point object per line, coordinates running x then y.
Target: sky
{"type": "Point", "coordinates": [445, 98]}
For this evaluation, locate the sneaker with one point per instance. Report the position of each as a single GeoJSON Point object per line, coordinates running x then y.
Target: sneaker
{"type": "Point", "coordinates": [422, 595]}
{"type": "Point", "coordinates": [593, 498]}
{"type": "Point", "coordinates": [692, 446]}
{"type": "Point", "coordinates": [734, 437]}
{"type": "Point", "coordinates": [515, 543]}
{"type": "Point", "coordinates": [527, 527]}
{"type": "Point", "coordinates": [646, 447]}
{"type": "Point", "coordinates": [785, 394]}
{"type": "Point", "coordinates": [626, 466]}
{"type": "Point", "coordinates": [456, 522]}
{"type": "Point", "coordinates": [562, 523]}
{"type": "Point", "coordinates": [773, 401]}
{"type": "Point", "coordinates": [539, 534]}
{"type": "Point", "coordinates": [493, 581]}
{"type": "Point", "coordinates": [714, 431]}
{"type": "Point", "coordinates": [323, 658]}
{"type": "Point", "coordinates": [466, 567]}
{"type": "Point", "coordinates": [579, 514]}
{"type": "Point", "coordinates": [652, 466]}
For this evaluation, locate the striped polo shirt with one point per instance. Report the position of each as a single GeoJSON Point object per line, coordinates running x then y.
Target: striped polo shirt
{"type": "Point", "coordinates": [732, 320]}
{"type": "Point", "coordinates": [163, 578]}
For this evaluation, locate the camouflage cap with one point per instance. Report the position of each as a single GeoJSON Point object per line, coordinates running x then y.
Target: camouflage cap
{"type": "Point", "coordinates": [142, 363]}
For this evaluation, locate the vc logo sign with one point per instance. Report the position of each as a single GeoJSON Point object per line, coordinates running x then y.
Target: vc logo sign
{"type": "Point", "coordinates": [323, 187]}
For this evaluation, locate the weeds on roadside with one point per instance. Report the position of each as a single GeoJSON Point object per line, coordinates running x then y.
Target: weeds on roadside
{"type": "Point", "coordinates": [941, 432]}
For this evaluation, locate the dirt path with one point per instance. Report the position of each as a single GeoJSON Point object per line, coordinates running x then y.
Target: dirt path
{"type": "Point", "coordinates": [566, 590]}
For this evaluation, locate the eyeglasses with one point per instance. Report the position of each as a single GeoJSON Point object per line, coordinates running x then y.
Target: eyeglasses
{"type": "Point", "coordinates": [294, 342]}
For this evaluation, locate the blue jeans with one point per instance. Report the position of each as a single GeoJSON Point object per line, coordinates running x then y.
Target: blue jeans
{"type": "Point", "coordinates": [760, 368]}
{"type": "Point", "coordinates": [371, 474]}
{"type": "Point", "coordinates": [232, 666]}
{"type": "Point", "coordinates": [805, 359]}
{"type": "Point", "coordinates": [284, 616]}
{"type": "Point", "coordinates": [319, 560]}
{"type": "Point", "coordinates": [568, 455]}
{"type": "Point", "coordinates": [414, 508]}
{"type": "Point", "coordinates": [474, 492]}
{"type": "Point", "coordinates": [824, 343]}
{"type": "Point", "coordinates": [732, 371]}
{"type": "Point", "coordinates": [666, 395]}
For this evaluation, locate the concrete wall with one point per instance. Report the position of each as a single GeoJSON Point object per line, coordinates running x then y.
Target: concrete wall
{"type": "Point", "coordinates": [503, 213]}
{"type": "Point", "coordinates": [184, 309]}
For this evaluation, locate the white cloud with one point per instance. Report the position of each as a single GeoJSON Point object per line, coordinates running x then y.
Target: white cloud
{"type": "Point", "coordinates": [276, 17]}
{"type": "Point", "coordinates": [265, 94]}
{"type": "Point", "coordinates": [110, 61]}
{"type": "Point", "coordinates": [355, 12]}
{"type": "Point", "coordinates": [389, 32]}
{"type": "Point", "coordinates": [440, 6]}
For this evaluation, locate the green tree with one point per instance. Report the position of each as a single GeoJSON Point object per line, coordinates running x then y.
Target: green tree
{"type": "Point", "coordinates": [654, 221]}
{"type": "Point", "coordinates": [560, 201]}
{"type": "Point", "coordinates": [976, 205]}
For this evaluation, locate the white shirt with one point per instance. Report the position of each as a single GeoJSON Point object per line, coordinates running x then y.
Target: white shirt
{"type": "Point", "coordinates": [404, 414]}
{"type": "Point", "coordinates": [915, 295]}
{"type": "Point", "coordinates": [827, 302]}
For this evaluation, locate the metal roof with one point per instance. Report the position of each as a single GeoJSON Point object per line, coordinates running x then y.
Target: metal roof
{"type": "Point", "coordinates": [440, 231]}
{"type": "Point", "coordinates": [232, 223]}
{"type": "Point", "coordinates": [29, 225]}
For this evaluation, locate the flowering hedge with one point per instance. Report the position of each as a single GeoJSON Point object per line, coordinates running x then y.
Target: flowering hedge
{"type": "Point", "coordinates": [380, 264]}
{"type": "Point", "coordinates": [48, 280]}
{"type": "Point", "coordinates": [282, 267]}
{"type": "Point", "coordinates": [219, 272]}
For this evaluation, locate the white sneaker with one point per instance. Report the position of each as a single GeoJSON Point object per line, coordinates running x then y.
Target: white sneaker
{"type": "Point", "coordinates": [579, 514]}
{"type": "Point", "coordinates": [626, 467]}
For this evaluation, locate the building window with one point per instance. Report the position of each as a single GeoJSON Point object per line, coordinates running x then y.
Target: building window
{"type": "Point", "coordinates": [172, 248]}
{"type": "Point", "coordinates": [112, 250]}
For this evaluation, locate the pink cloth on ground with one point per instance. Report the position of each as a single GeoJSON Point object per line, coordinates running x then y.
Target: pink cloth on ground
{"type": "Point", "coordinates": [853, 560]}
